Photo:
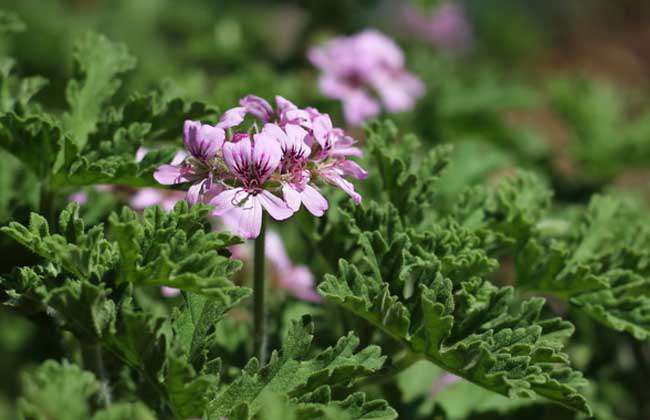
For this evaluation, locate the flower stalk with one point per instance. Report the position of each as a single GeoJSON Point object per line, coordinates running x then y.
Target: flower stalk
{"type": "Point", "coordinates": [93, 360]}
{"type": "Point", "coordinates": [259, 288]}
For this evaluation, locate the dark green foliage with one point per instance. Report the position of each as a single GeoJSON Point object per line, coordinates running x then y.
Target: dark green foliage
{"type": "Point", "coordinates": [305, 381]}
{"type": "Point", "coordinates": [605, 139]}
{"type": "Point", "coordinates": [505, 215]}
{"type": "Point", "coordinates": [601, 265]}
{"type": "Point", "coordinates": [158, 249]}
{"type": "Point", "coordinates": [434, 301]}
{"type": "Point", "coordinates": [96, 141]}
{"type": "Point", "coordinates": [63, 390]}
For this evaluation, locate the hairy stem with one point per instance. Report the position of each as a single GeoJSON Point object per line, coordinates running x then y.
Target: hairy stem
{"type": "Point", "coordinates": [259, 286]}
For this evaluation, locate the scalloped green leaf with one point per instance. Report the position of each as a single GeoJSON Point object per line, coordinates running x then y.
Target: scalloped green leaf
{"type": "Point", "coordinates": [98, 62]}
{"type": "Point", "coordinates": [447, 313]}
{"type": "Point", "coordinates": [293, 373]}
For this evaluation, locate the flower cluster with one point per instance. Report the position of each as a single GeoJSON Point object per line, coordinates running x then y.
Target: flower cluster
{"type": "Point", "coordinates": [359, 66]}
{"type": "Point", "coordinates": [274, 168]}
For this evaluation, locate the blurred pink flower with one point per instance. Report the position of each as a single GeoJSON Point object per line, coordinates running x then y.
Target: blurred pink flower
{"type": "Point", "coordinates": [169, 292]}
{"type": "Point", "coordinates": [443, 382]}
{"type": "Point", "coordinates": [296, 280]}
{"type": "Point", "coordinates": [147, 197]}
{"type": "Point", "coordinates": [446, 26]}
{"type": "Point", "coordinates": [80, 197]}
{"type": "Point", "coordinates": [358, 66]}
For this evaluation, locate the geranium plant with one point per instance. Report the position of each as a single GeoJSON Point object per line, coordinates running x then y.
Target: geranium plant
{"type": "Point", "coordinates": [262, 262]}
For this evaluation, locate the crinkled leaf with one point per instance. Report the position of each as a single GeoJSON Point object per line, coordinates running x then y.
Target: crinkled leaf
{"type": "Point", "coordinates": [109, 156]}
{"type": "Point", "coordinates": [447, 313]}
{"type": "Point", "coordinates": [83, 253]}
{"type": "Point", "coordinates": [407, 182]}
{"type": "Point", "coordinates": [35, 140]}
{"type": "Point", "coordinates": [506, 215]}
{"type": "Point", "coordinates": [125, 411]}
{"type": "Point", "coordinates": [600, 265]}
{"type": "Point", "coordinates": [15, 93]}
{"type": "Point", "coordinates": [292, 372]}
{"type": "Point", "coordinates": [53, 389]}
{"type": "Point", "coordinates": [98, 62]}
{"type": "Point", "coordinates": [173, 249]}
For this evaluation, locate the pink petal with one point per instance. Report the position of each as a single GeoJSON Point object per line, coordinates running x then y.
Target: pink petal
{"type": "Point", "coordinates": [214, 137]}
{"type": "Point", "coordinates": [274, 205]}
{"type": "Point", "coordinates": [244, 211]}
{"type": "Point", "coordinates": [398, 92]}
{"type": "Point", "coordinates": [238, 156]}
{"type": "Point", "coordinates": [169, 292]}
{"type": "Point", "coordinates": [291, 197]}
{"type": "Point", "coordinates": [169, 175]}
{"type": "Point", "coordinates": [322, 127]}
{"type": "Point", "coordinates": [194, 193]}
{"type": "Point", "coordinates": [359, 107]}
{"type": "Point", "coordinates": [275, 252]}
{"type": "Point", "coordinates": [257, 107]}
{"type": "Point", "coordinates": [232, 117]}
{"type": "Point", "coordinates": [169, 203]}
{"type": "Point", "coordinates": [299, 281]}
{"type": "Point", "coordinates": [146, 197]}
{"type": "Point", "coordinates": [380, 47]}
{"type": "Point", "coordinates": [80, 197]}
{"type": "Point", "coordinates": [275, 131]}
{"type": "Point", "coordinates": [296, 136]}
{"type": "Point", "coordinates": [351, 168]}
{"type": "Point", "coordinates": [179, 157]}
{"type": "Point", "coordinates": [318, 57]}
{"type": "Point", "coordinates": [141, 153]}
{"type": "Point", "coordinates": [266, 155]}
{"type": "Point", "coordinates": [333, 177]}
{"type": "Point", "coordinates": [284, 104]}
{"type": "Point", "coordinates": [335, 87]}
{"type": "Point", "coordinates": [227, 200]}
{"type": "Point", "coordinates": [250, 218]}
{"type": "Point", "coordinates": [314, 201]}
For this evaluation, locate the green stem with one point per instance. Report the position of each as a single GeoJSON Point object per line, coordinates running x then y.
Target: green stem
{"type": "Point", "coordinates": [259, 286]}
{"type": "Point", "coordinates": [93, 360]}
{"type": "Point", "coordinates": [46, 203]}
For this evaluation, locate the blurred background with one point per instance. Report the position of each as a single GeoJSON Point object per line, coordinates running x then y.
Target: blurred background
{"type": "Point", "coordinates": [554, 86]}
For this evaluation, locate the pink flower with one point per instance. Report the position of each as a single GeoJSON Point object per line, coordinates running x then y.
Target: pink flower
{"type": "Point", "coordinates": [286, 112]}
{"type": "Point", "coordinates": [203, 142]}
{"type": "Point", "coordinates": [297, 280]}
{"type": "Point", "coordinates": [252, 163]}
{"type": "Point", "coordinates": [296, 188]}
{"type": "Point", "coordinates": [333, 141]}
{"type": "Point", "coordinates": [242, 174]}
{"type": "Point", "coordinates": [80, 197]}
{"type": "Point", "coordinates": [257, 107]}
{"type": "Point", "coordinates": [446, 26]}
{"type": "Point", "coordinates": [169, 292]}
{"type": "Point", "coordinates": [356, 66]}
{"type": "Point", "coordinates": [232, 118]}
{"type": "Point", "coordinates": [443, 382]}
{"type": "Point", "coordinates": [147, 197]}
